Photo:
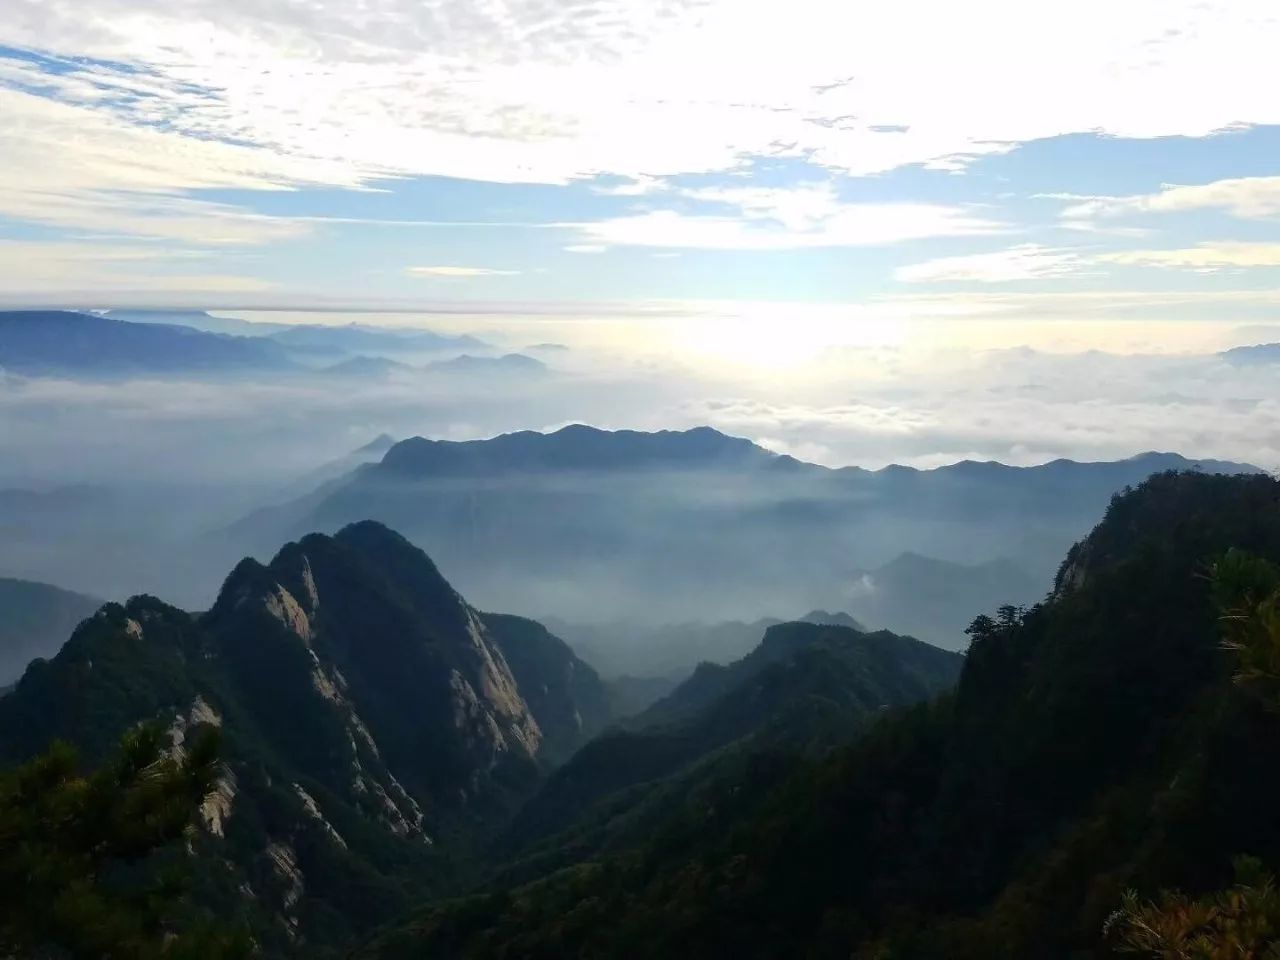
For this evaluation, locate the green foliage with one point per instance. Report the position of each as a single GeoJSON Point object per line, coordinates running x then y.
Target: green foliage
{"type": "Point", "coordinates": [87, 863]}
{"type": "Point", "coordinates": [1240, 923]}
{"type": "Point", "coordinates": [1246, 590]}
{"type": "Point", "coordinates": [1244, 920]}
{"type": "Point", "coordinates": [1096, 742]}
{"type": "Point", "coordinates": [805, 689]}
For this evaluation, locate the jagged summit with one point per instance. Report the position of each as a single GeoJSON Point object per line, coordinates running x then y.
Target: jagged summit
{"type": "Point", "coordinates": [368, 713]}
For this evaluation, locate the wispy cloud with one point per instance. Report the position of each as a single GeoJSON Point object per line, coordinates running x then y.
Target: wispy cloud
{"type": "Point", "coordinates": [455, 272]}
{"type": "Point", "coordinates": [763, 228]}
{"type": "Point", "coordinates": [1246, 197]}
{"type": "Point", "coordinates": [1024, 262]}
{"type": "Point", "coordinates": [1035, 262]}
{"type": "Point", "coordinates": [1209, 256]}
{"type": "Point", "coordinates": [641, 186]}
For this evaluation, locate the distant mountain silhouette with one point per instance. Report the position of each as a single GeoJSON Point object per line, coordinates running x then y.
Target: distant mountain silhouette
{"type": "Point", "coordinates": [35, 620]}
{"type": "Point", "coordinates": [360, 339]}
{"type": "Point", "coordinates": [933, 599]}
{"type": "Point", "coordinates": [510, 364]}
{"type": "Point", "coordinates": [66, 343]}
{"type": "Point", "coordinates": [20, 507]}
{"type": "Point", "coordinates": [591, 526]}
{"type": "Point", "coordinates": [1260, 354]}
{"type": "Point", "coordinates": [377, 447]}
{"type": "Point", "coordinates": [327, 474]}
{"type": "Point", "coordinates": [200, 320]}
{"type": "Point", "coordinates": [368, 368]}
{"type": "Point", "coordinates": [624, 648]}
{"type": "Point", "coordinates": [575, 447]}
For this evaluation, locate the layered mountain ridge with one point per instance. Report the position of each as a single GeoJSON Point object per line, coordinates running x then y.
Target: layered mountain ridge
{"type": "Point", "coordinates": [674, 526]}
{"type": "Point", "coordinates": [804, 688]}
{"type": "Point", "coordinates": [1097, 742]}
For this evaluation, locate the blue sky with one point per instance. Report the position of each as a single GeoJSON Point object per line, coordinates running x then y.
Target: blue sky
{"type": "Point", "coordinates": [992, 158]}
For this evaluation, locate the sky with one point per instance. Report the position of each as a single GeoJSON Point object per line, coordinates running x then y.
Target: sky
{"type": "Point", "coordinates": [858, 233]}
{"type": "Point", "coordinates": [906, 162]}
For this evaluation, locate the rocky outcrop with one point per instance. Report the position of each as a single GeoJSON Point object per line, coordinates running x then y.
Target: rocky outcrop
{"type": "Point", "coordinates": [365, 710]}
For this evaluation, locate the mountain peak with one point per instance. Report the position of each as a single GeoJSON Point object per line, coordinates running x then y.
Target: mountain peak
{"type": "Point", "coordinates": [379, 444]}
{"type": "Point", "coordinates": [1171, 501]}
{"type": "Point", "coordinates": [371, 533]}
{"type": "Point", "coordinates": [574, 447]}
{"type": "Point", "coordinates": [828, 619]}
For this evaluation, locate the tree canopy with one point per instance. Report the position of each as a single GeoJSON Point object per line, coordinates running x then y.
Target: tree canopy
{"type": "Point", "coordinates": [91, 864]}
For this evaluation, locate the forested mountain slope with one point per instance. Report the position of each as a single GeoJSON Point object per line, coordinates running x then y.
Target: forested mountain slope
{"type": "Point", "coordinates": [1095, 742]}
{"type": "Point", "coordinates": [804, 688]}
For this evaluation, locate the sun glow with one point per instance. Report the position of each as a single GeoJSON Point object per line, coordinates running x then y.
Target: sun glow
{"type": "Point", "coordinates": [782, 338]}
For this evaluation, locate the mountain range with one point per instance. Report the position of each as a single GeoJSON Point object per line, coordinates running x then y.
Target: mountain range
{"type": "Point", "coordinates": [623, 649]}
{"type": "Point", "coordinates": [320, 340]}
{"type": "Point", "coordinates": [379, 731]}
{"type": "Point", "coordinates": [331, 341]}
{"type": "Point", "coordinates": [586, 525]}
{"type": "Point", "coordinates": [1100, 741]}
{"type": "Point", "coordinates": [804, 687]}
{"type": "Point", "coordinates": [1261, 353]}
{"type": "Point", "coordinates": [405, 775]}
{"type": "Point", "coordinates": [123, 342]}
{"type": "Point", "coordinates": [196, 319]}
{"type": "Point", "coordinates": [46, 342]}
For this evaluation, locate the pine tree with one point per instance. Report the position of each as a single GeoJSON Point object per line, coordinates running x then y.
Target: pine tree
{"type": "Point", "coordinates": [90, 865]}
{"type": "Point", "coordinates": [1242, 922]}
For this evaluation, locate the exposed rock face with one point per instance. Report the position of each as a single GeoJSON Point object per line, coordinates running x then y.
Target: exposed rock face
{"type": "Point", "coordinates": [285, 863]}
{"type": "Point", "coordinates": [313, 811]}
{"type": "Point", "coordinates": [1074, 572]}
{"type": "Point", "coordinates": [566, 695]}
{"type": "Point", "coordinates": [425, 700]}
{"type": "Point", "coordinates": [364, 709]}
{"type": "Point", "coordinates": [217, 806]}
